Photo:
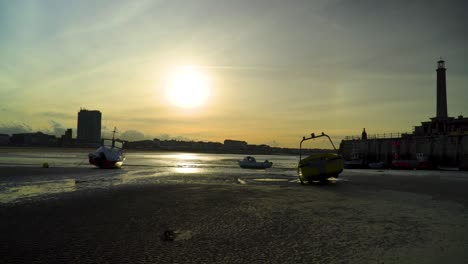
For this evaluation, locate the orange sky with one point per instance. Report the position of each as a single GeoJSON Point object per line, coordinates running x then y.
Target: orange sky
{"type": "Point", "coordinates": [278, 70]}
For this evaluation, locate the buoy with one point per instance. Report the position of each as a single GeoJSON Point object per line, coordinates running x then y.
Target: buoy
{"type": "Point", "coordinates": [45, 165]}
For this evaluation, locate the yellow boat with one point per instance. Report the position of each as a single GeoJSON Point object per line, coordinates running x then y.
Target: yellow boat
{"type": "Point", "coordinates": [319, 167]}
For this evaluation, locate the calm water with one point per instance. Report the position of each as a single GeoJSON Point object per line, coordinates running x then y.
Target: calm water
{"type": "Point", "coordinates": [70, 171]}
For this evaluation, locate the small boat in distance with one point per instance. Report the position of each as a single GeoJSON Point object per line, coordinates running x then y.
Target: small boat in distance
{"type": "Point", "coordinates": [356, 162]}
{"type": "Point", "coordinates": [109, 155]}
{"type": "Point", "coordinates": [319, 167]}
{"type": "Point", "coordinates": [375, 165]}
{"type": "Point", "coordinates": [250, 163]}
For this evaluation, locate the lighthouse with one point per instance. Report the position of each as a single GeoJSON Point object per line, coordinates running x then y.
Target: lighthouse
{"type": "Point", "coordinates": [441, 91]}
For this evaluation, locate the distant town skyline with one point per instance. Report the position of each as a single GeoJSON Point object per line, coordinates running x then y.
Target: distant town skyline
{"type": "Point", "coordinates": [277, 70]}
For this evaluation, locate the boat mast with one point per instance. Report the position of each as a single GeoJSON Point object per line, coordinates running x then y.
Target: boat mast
{"type": "Point", "coordinates": [113, 136]}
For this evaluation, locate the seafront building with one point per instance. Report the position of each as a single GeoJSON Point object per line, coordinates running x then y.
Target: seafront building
{"type": "Point", "coordinates": [442, 141]}
{"type": "Point", "coordinates": [33, 139]}
{"type": "Point", "coordinates": [66, 139]}
{"type": "Point", "coordinates": [89, 127]}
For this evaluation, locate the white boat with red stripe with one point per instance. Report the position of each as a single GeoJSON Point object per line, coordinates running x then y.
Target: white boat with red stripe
{"type": "Point", "coordinates": [109, 155]}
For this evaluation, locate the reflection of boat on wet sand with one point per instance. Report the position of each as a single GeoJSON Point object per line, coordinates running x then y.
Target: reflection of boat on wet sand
{"type": "Point", "coordinates": [443, 168]}
{"type": "Point", "coordinates": [319, 167]}
{"type": "Point", "coordinates": [421, 162]}
{"type": "Point", "coordinates": [108, 156]}
{"type": "Point", "coordinates": [250, 163]}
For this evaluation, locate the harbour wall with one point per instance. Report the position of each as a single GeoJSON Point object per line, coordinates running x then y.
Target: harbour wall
{"type": "Point", "coordinates": [440, 150]}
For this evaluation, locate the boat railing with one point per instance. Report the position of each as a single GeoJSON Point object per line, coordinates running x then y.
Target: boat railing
{"type": "Point", "coordinates": [378, 136]}
{"type": "Point", "coordinates": [313, 136]}
{"type": "Point", "coordinates": [113, 143]}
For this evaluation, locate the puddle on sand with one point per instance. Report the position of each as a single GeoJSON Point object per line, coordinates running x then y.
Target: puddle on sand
{"type": "Point", "coordinates": [28, 190]}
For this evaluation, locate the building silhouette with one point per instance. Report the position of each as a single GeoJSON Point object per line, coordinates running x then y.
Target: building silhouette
{"type": "Point", "coordinates": [442, 124]}
{"type": "Point", "coordinates": [89, 127]}
{"type": "Point", "coordinates": [4, 139]}
{"type": "Point", "coordinates": [66, 139]}
{"type": "Point", "coordinates": [442, 141]}
{"type": "Point", "coordinates": [33, 139]}
{"type": "Point", "coordinates": [441, 91]}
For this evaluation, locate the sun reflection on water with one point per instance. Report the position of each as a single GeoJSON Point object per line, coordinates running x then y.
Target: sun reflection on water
{"type": "Point", "coordinates": [186, 156]}
{"type": "Point", "coordinates": [187, 169]}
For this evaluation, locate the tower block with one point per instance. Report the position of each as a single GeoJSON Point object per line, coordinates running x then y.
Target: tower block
{"type": "Point", "coordinates": [441, 91]}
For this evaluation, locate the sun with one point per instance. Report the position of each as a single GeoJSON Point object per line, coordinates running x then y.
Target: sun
{"type": "Point", "coordinates": [188, 87]}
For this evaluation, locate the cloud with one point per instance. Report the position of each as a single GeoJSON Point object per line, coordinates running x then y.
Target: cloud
{"type": "Point", "coordinates": [146, 120]}
{"type": "Point", "coordinates": [273, 143]}
{"type": "Point", "coordinates": [169, 137]}
{"type": "Point", "coordinates": [58, 115]}
{"type": "Point", "coordinates": [15, 128]}
{"type": "Point", "coordinates": [181, 138]}
{"type": "Point", "coordinates": [164, 137]}
{"type": "Point", "coordinates": [135, 135]}
{"type": "Point", "coordinates": [57, 128]}
{"type": "Point", "coordinates": [132, 135]}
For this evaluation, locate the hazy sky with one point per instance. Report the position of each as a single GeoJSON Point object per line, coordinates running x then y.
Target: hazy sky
{"type": "Point", "coordinates": [279, 69]}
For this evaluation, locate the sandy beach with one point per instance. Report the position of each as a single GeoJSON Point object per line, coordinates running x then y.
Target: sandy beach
{"type": "Point", "coordinates": [366, 217]}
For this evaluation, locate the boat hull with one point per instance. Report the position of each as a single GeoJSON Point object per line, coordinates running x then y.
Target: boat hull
{"type": "Point", "coordinates": [320, 167]}
{"type": "Point", "coordinates": [104, 163]}
{"type": "Point", "coordinates": [354, 164]}
{"type": "Point", "coordinates": [255, 165]}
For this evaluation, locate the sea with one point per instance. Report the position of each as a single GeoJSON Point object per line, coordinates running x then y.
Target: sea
{"type": "Point", "coordinates": [69, 171]}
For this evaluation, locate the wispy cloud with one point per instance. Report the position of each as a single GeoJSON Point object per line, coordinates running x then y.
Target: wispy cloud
{"type": "Point", "coordinates": [58, 115]}
{"type": "Point", "coordinates": [13, 128]}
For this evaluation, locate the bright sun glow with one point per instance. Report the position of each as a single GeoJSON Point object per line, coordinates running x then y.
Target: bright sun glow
{"type": "Point", "coordinates": [188, 87]}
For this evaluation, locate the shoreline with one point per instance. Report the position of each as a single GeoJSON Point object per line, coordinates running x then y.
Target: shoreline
{"type": "Point", "coordinates": [7, 148]}
{"type": "Point", "coordinates": [345, 222]}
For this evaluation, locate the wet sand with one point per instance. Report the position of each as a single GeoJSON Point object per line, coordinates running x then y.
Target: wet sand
{"type": "Point", "coordinates": [367, 217]}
